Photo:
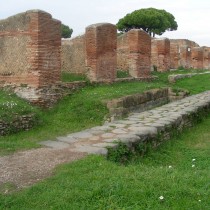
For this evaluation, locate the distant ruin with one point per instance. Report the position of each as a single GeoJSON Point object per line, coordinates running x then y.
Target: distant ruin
{"type": "Point", "coordinates": [32, 55]}
{"type": "Point", "coordinates": [160, 55]}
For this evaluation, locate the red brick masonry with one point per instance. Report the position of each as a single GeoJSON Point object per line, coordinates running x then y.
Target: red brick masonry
{"type": "Point", "coordinates": [30, 44]}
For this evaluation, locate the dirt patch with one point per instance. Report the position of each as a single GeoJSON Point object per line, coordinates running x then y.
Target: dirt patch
{"type": "Point", "coordinates": [25, 168]}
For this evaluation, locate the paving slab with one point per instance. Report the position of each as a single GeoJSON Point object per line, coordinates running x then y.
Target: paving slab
{"type": "Point", "coordinates": [54, 144]}
{"type": "Point", "coordinates": [136, 127]}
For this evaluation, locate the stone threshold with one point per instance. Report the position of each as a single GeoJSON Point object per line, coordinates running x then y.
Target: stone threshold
{"type": "Point", "coordinates": [149, 126]}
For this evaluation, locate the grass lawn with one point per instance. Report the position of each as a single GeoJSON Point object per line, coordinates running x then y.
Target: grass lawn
{"type": "Point", "coordinates": [179, 171]}
{"type": "Point", "coordinates": [84, 109]}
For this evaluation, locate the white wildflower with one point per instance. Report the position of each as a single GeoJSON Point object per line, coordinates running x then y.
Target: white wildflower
{"type": "Point", "coordinates": [161, 197]}
{"type": "Point", "coordinates": [193, 166]}
{"type": "Point", "coordinates": [193, 159]}
{"type": "Point", "coordinates": [169, 166]}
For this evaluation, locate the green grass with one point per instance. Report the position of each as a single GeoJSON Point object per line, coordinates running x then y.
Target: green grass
{"type": "Point", "coordinates": [95, 183]}
{"type": "Point", "coordinates": [122, 74]}
{"type": "Point", "coordinates": [84, 109]}
{"type": "Point", "coordinates": [69, 77]}
{"type": "Point", "coordinates": [11, 105]}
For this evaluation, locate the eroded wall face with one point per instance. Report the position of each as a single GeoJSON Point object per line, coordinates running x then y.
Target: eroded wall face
{"type": "Point", "coordinates": [30, 49]}
{"type": "Point", "coordinates": [73, 55]}
{"type": "Point", "coordinates": [139, 43]}
{"type": "Point", "coordinates": [197, 58]}
{"type": "Point", "coordinates": [160, 54]}
{"type": "Point", "coordinates": [180, 53]}
{"type": "Point", "coordinates": [122, 52]}
{"type": "Point", "coordinates": [101, 57]}
{"type": "Point", "coordinates": [174, 55]}
{"type": "Point", "coordinates": [185, 56]}
{"type": "Point", "coordinates": [206, 58]}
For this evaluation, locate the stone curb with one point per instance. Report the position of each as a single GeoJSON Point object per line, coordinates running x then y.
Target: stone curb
{"type": "Point", "coordinates": [156, 126]}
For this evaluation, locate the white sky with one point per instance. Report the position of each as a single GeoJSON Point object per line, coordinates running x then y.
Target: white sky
{"type": "Point", "coordinates": [192, 16]}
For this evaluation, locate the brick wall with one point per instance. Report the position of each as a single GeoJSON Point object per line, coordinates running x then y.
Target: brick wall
{"type": "Point", "coordinates": [160, 54]}
{"type": "Point", "coordinates": [139, 53]}
{"type": "Point", "coordinates": [73, 55]}
{"type": "Point", "coordinates": [122, 52]}
{"type": "Point", "coordinates": [180, 52]}
{"type": "Point", "coordinates": [101, 57]}
{"type": "Point", "coordinates": [185, 56]}
{"type": "Point", "coordinates": [30, 49]}
{"type": "Point", "coordinates": [181, 42]}
{"type": "Point", "coordinates": [174, 55]}
{"type": "Point", "coordinates": [206, 57]}
{"type": "Point", "coordinates": [197, 58]}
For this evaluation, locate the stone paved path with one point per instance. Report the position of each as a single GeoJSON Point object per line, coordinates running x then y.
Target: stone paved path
{"type": "Point", "coordinates": [96, 139]}
{"type": "Point", "coordinates": [25, 168]}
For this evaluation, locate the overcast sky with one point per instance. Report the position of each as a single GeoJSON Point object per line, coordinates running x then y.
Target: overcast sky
{"type": "Point", "coordinates": [192, 16]}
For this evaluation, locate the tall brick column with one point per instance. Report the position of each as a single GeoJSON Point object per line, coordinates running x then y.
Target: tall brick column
{"type": "Point", "coordinates": [139, 53]}
{"type": "Point", "coordinates": [174, 55]}
{"type": "Point", "coordinates": [101, 57]}
{"type": "Point", "coordinates": [206, 58]}
{"type": "Point", "coordinates": [197, 58]}
{"type": "Point", "coordinates": [161, 54]}
{"type": "Point", "coordinates": [185, 57]}
{"type": "Point", "coordinates": [30, 45]}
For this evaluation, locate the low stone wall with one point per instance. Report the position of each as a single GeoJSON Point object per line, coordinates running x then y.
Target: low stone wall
{"type": "Point", "coordinates": [19, 123]}
{"type": "Point", "coordinates": [175, 118]}
{"type": "Point", "coordinates": [47, 96]}
{"type": "Point", "coordinates": [174, 78]}
{"type": "Point", "coordinates": [144, 101]}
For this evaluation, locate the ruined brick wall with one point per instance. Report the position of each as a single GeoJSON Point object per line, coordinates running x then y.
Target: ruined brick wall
{"type": "Point", "coordinates": [185, 56]}
{"type": "Point", "coordinates": [160, 54]}
{"type": "Point", "coordinates": [174, 55]}
{"type": "Point", "coordinates": [139, 53]}
{"type": "Point", "coordinates": [73, 55]}
{"type": "Point", "coordinates": [182, 42]}
{"type": "Point", "coordinates": [197, 58]}
{"type": "Point", "coordinates": [30, 49]}
{"type": "Point", "coordinates": [122, 52]}
{"type": "Point", "coordinates": [101, 56]}
{"type": "Point", "coordinates": [180, 52]}
{"type": "Point", "coordinates": [206, 58]}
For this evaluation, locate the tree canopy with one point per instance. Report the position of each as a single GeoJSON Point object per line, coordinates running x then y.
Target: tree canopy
{"type": "Point", "coordinates": [66, 32]}
{"type": "Point", "coordinates": [151, 20]}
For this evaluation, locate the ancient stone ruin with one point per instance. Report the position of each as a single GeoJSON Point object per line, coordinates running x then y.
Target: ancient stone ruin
{"type": "Point", "coordinates": [181, 53]}
{"type": "Point", "coordinates": [160, 54]}
{"type": "Point", "coordinates": [101, 59]}
{"type": "Point", "coordinates": [134, 53]}
{"type": "Point", "coordinates": [30, 49]}
{"type": "Point", "coordinates": [73, 55]}
{"type": "Point", "coordinates": [30, 45]}
{"type": "Point", "coordinates": [206, 57]}
{"type": "Point", "coordinates": [197, 58]}
{"type": "Point", "coordinates": [139, 43]}
{"type": "Point", "coordinates": [31, 55]}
